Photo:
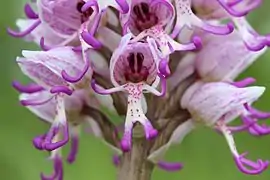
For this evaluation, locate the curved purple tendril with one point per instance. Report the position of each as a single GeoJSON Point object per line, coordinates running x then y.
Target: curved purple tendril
{"type": "Point", "coordinates": [163, 84]}
{"type": "Point", "coordinates": [149, 130]}
{"type": "Point", "coordinates": [58, 170]}
{"type": "Point", "coordinates": [30, 88]}
{"type": "Point", "coordinates": [245, 126]}
{"type": "Point", "coordinates": [123, 5]}
{"type": "Point", "coordinates": [97, 90]}
{"type": "Point", "coordinates": [258, 46]}
{"type": "Point", "coordinates": [255, 167]}
{"type": "Point", "coordinates": [49, 145]}
{"type": "Point", "coordinates": [38, 140]}
{"type": "Point", "coordinates": [197, 41]}
{"type": "Point", "coordinates": [79, 76]}
{"type": "Point", "coordinates": [88, 37]}
{"type": "Point", "coordinates": [250, 7]}
{"type": "Point", "coordinates": [256, 113]}
{"type": "Point", "coordinates": [43, 46]}
{"type": "Point", "coordinates": [73, 149]}
{"type": "Point", "coordinates": [196, 44]}
{"type": "Point", "coordinates": [91, 40]}
{"type": "Point", "coordinates": [77, 49]}
{"type": "Point", "coordinates": [176, 31]}
{"type": "Point", "coordinates": [167, 166]}
{"type": "Point", "coordinates": [116, 160]}
{"type": "Point", "coordinates": [25, 32]}
{"type": "Point", "coordinates": [230, 10]}
{"type": "Point", "coordinates": [89, 4]}
{"type": "Point", "coordinates": [245, 82]}
{"type": "Point", "coordinates": [125, 143]}
{"type": "Point", "coordinates": [34, 103]}
{"type": "Point", "coordinates": [253, 132]}
{"type": "Point", "coordinates": [256, 129]}
{"type": "Point", "coordinates": [262, 129]}
{"type": "Point", "coordinates": [61, 89]}
{"type": "Point", "coordinates": [170, 166]}
{"type": "Point", "coordinates": [219, 30]}
{"type": "Point", "coordinates": [233, 3]}
{"type": "Point", "coordinates": [29, 12]}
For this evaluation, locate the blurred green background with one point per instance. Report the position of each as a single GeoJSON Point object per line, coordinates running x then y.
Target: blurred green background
{"type": "Point", "coordinates": [204, 153]}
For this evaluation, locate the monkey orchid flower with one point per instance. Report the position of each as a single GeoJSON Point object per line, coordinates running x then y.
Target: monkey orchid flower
{"type": "Point", "coordinates": [75, 119]}
{"type": "Point", "coordinates": [217, 104]}
{"type": "Point", "coordinates": [46, 69]}
{"type": "Point", "coordinates": [145, 20]}
{"type": "Point", "coordinates": [134, 71]}
{"type": "Point", "coordinates": [47, 112]}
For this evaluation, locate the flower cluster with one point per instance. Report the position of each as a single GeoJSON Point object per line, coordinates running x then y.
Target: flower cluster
{"type": "Point", "coordinates": [149, 60]}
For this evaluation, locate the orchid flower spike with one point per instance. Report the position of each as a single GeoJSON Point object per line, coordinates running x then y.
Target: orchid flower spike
{"type": "Point", "coordinates": [134, 70]}
{"type": "Point", "coordinates": [107, 60]}
{"type": "Point", "coordinates": [217, 104]}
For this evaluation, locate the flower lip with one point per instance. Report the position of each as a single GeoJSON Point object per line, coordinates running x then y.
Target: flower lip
{"type": "Point", "coordinates": [146, 14]}
{"type": "Point", "coordinates": [136, 64]}
{"type": "Point", "coordinates": [136, 72]}
{"type": "Point", "coordinates": [144, 17]}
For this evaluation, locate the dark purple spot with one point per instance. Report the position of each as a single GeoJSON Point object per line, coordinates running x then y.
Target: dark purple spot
{"type": "Point", "coordinates": [136, 72]}
{"type": "Point", "coordinates": [140, 59]}
{"type": "Point", "coordinates": [79, 6]}
{"type": "Point", "coordinates": [145, 8]}
{"type": "Point", "coordinates": [145, 19]}
{"type": "Point", "coordinates": [84, 15]}
{"type": "Point", "coordinates": [131, 62]}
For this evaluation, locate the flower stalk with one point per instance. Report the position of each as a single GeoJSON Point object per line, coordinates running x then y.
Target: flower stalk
{"type": "Point", "coordinates": [134, 164]}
